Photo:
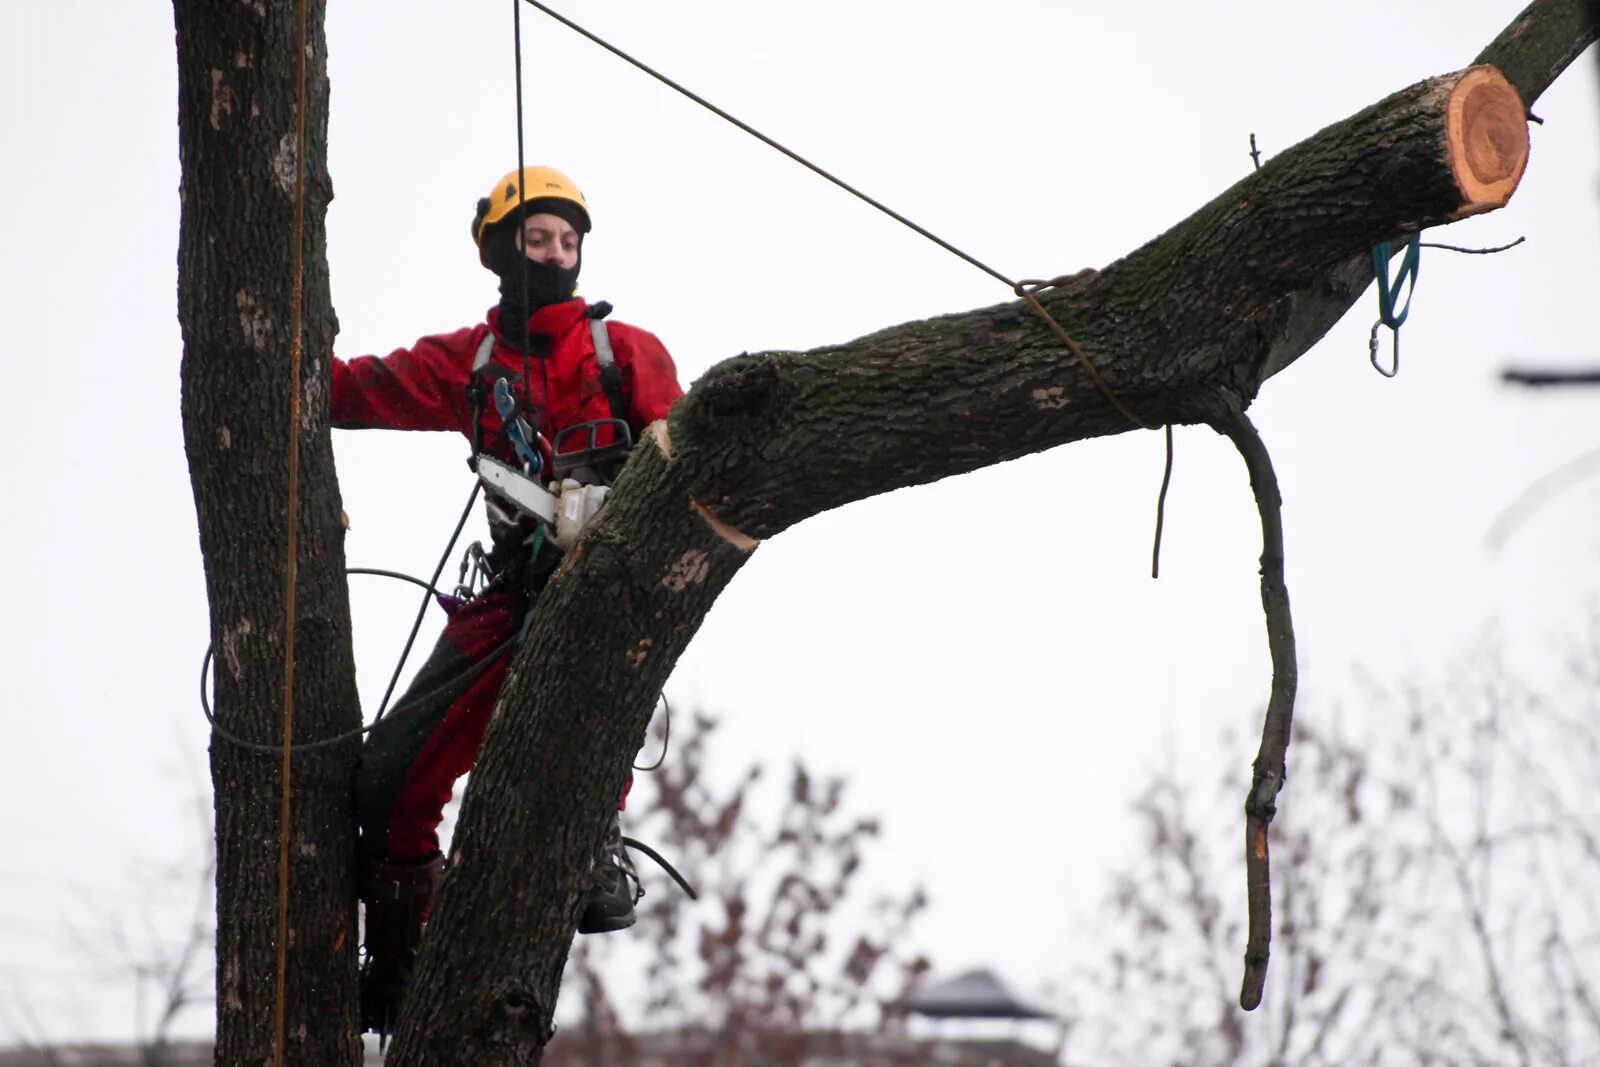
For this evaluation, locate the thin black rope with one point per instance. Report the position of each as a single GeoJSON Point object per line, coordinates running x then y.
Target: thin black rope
{"type": "Point", "coordinates": [1025, 289]}
{"type": "Point", "coordinates": [306, 746]}
{"type": "Point", "coordinates": [422, 608]}
{"type": "Point", "coordinates": [522, 221]}
{"type": "Point", "coordinates": [661, 861]}
{"type": "Point", "coordinates": [666, 739]}
{"type": "Point", "coordinates": [398, 575]}
{"type": "Point", "coordinates": [522, 191]}
{"type": "Point", "coordinates": [764, 139]}
{"type": "Point", "coordinates": [1161, 505]}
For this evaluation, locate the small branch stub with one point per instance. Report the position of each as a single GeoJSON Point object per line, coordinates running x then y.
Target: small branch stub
{"type": "Point", "coordinates": [1486, 131]}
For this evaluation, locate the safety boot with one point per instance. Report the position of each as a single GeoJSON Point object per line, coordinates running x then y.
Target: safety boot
{"type": "Point", "coordinates": [613, 887]}
{"type": "Point", "coordinates": [398, 896]}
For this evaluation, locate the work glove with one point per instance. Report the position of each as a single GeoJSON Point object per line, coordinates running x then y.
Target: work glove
{"type": "Point", "coordinates": [577, 504]}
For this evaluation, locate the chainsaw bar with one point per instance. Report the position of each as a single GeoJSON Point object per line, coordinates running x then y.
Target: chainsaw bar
{"type": "Point", "coordinates": [517, 489]}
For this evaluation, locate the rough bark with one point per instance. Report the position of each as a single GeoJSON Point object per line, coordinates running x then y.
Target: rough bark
{"type": "Point", "coordinates": [1531, 52]}
{"type": "Point", "coordinates": [1228, 297]}
{"type": "Point", "coordinates": [237, 140]}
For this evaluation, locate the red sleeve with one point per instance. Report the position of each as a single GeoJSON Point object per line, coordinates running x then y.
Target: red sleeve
{"type": "Point", "coordinates": [651, 379]}
{"type": "Point", "coordinates": [418, 388]}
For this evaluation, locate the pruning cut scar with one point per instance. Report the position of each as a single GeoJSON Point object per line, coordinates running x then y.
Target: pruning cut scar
{"type": "Point", "coordinates": [658, 430]}
{"type": "Point", "coordinates": [738, 539]}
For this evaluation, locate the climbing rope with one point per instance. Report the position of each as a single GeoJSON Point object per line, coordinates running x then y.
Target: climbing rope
{"type": "Point", "coordinates": [422, 608]}
{"type": "Point", "coordinates": [296, 345]}
{"type": "Point", "coordinates": [1025, 290]}
{"type": "Point", "coordinates": [307, 746]}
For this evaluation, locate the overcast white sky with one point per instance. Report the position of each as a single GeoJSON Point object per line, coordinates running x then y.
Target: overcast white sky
{"type": "Point", "coordinates": [987, 658]}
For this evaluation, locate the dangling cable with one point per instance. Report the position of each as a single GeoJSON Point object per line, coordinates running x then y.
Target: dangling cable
{"type": "Point", "coordinates": [522, 221]}
{"type": "Point", "coordinates": [422, 609]}
{"type": "Point", "coordinates": [666, 739]}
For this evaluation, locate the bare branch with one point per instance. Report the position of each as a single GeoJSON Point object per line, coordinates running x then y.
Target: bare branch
{"type": "Point", "coordinates": [1536, 378]}
{"type": "Point", "coordinates": [1269, 772]}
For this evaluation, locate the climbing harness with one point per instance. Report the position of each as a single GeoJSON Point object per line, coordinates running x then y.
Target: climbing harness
{"type": "Point", "coordinates": [610, 373]}
{"type": "Point", "coordinates": [1387, 292]}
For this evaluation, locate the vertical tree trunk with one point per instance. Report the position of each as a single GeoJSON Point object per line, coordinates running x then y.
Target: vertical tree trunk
{"type": "Point", "coordinates": [761, 443]}
{"type": "Point", "coordinates": [239, 76]}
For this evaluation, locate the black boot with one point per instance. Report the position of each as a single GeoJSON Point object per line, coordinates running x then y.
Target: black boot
{"type": "Point", "coordinates": [613, 887]}
{"type": "Point", "coordinates": [398, 898]}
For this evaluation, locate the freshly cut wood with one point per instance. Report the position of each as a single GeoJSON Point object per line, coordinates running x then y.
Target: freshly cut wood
{"type": "Point", "coordinates": [1187, 325]}
{"type": "Point", "coordinates": [1487, 128]}
{"type": "Point", "coordinates": [1200, 315]}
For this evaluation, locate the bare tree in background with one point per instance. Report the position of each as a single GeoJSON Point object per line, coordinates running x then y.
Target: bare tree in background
{"type": "Point", "coordinates": [782, 950]}
{"type": "Point", "coordinates": [1184, 329]}
{"type": "Point", "coordinates": [1438, 893]}
{"type": "Point", "coordinates": [167, 966]}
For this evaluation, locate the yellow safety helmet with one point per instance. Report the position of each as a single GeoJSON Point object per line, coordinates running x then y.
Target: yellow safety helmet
{"type": "Point", "coordinates": [529, 185]}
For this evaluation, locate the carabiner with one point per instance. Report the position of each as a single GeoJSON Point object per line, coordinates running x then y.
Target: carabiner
{"type": "Point", "coordinates": [1372, 351]}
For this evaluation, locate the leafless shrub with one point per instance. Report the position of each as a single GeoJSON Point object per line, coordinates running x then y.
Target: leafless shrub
{"type": "Point", "coordinates": [1437, 892]}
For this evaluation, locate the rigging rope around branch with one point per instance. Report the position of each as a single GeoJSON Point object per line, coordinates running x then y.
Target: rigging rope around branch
{"type": "Point", "coordinates": [1025, 289]}
{"type": "Point", "coordinates": [296, 346]}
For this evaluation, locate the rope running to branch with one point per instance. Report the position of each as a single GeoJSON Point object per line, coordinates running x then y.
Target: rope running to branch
{"type": "Point", "coordinates": [1025, 289]}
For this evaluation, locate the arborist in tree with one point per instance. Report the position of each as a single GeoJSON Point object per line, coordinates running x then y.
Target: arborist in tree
{"type": "Point", "coordinates": [552, 397]}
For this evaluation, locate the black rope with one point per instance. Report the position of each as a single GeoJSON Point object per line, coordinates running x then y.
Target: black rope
{"type": "Point", "coordinates": [1025, 289]}
{"type": "Point", "coordinates": [306, 746]}
{"type": "Point", "coordinates": [666, 739]}
{"type": "Point", "coordinates": [758, 135]}
{"type": "Point", "coordinates": [1161, 502]}
{"type": "Point", "coordinates": [422, 608]}
{"type": "Point", "coordinates": [522, 223]}
{"type": "Point", "coordinates": [683, 883]}
{"type": "Point", "coordinates": [398, 575]}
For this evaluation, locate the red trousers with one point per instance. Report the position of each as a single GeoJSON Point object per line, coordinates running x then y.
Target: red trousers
{"type": "Point", "coordinates": [431, 736]}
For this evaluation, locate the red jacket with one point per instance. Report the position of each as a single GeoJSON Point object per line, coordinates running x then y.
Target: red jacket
{"type": "Point", "coordinates": [425, 387]}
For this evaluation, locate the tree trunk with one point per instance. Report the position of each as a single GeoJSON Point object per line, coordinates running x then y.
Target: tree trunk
{"type": "Point", "coordinates": [1197, 318]}
{"type": "Point", "coordinates": [238, 79]}
{"type": "Point", "coordinates": [1186, 326]}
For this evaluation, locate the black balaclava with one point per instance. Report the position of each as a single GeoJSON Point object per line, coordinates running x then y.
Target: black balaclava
{"type": "Point", "coordinates": [546, 283]}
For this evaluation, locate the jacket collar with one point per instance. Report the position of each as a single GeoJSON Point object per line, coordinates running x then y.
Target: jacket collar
{"type": "Point", "coordinates": [552, 319]}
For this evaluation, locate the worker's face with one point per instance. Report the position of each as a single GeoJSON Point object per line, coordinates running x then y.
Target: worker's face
{"type": "Point", "coordinates": [550, 239]}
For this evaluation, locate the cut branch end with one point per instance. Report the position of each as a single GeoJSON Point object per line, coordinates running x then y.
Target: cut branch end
{"type": "Point", "coordinates": [1486, 131]}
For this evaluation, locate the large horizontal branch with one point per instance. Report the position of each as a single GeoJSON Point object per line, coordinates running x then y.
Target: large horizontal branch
{"type": "Point", "coordinates": [1531, 52]}
{"type": "Point", "coordinates": [761, 442]}
{"type": "Point", "coordinates": [1209, 305]}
